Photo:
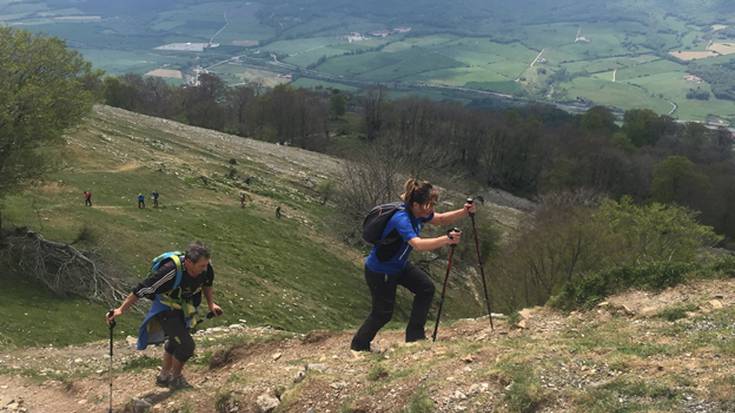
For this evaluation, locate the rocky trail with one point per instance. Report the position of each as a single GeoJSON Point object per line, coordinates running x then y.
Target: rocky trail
{"type": "Point", "coordinates": [625, 352]}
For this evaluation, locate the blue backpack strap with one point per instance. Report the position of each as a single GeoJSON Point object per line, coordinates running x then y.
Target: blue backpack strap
{"type": "Point", "coordinates": [174, 256]}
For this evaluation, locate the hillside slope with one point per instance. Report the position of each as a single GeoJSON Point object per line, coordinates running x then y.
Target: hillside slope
{"type": "Point", "coordinates": [656, 352]}
{"type": "Point", "coordinates": [292, 273]}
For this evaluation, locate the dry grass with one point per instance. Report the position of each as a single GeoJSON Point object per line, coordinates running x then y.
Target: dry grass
{"type": "Point", "coordinates": [166, 73]}
{"type": "Point", "coordinates": [693, 55]}
{"type": "Point", "coordinates": [724, 48]}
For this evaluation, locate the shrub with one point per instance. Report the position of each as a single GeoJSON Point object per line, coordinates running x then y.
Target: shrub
{"type": "Point", "coordinates": [676, 313]}
{"type": "Point", "coordinates": [589, 289]}
{"type": "Point", "coordinates": [85, 235]}
{"type": "Point", "coordinates": [579, 250]}
{"type": "Point", "coordinates": [377, 372]}
{"type": "Point", "coordinates": [524, 394]}
{"type": "Point", "coordinates": [420, 403]}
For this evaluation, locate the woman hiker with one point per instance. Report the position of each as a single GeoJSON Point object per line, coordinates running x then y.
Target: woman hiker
{"type": "Point", "coordinates": [175, 285]}
{"type": "Point", "coordinates": [387, 266]}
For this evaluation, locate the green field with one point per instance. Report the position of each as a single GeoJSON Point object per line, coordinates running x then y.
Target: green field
{"type": "Point", "coordinates": [308, 51]}
{"type": "Point", "coordinates": [619, 94]}
{"type": "Point", "coordinates": [649, 69]}
{"type": "Point", "coordinates": [547, 35]}
{"type": "Point", "coordinates": [475, 45]}
{"type": "Point", "coordinates": [132, 62]}
{"type": "Point", "coordinates": [208, 18]}
{"type": "Point", "coordinates": [606, 64]}
{"type": "Point", "coordinates": [314, 84]}
{"type": "Point", "coordinates": [479, 52]}
{"type": "Point", "coordinates": [673, 86]}
{"type": "Point", "coordinates": [383, 66]}
{"type": "Point", "coordinates": [237, 74]}
{"type": "Point", "coordinates": [461, 76]}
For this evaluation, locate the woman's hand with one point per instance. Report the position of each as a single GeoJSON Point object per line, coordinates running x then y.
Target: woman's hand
{"type": "Point", "coordinates": [470, 208]}
{"type": "Point", "coordinates": [453, 237]}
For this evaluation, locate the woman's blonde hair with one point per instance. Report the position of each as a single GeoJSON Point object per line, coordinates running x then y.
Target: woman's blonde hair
{"type": "Point", "coordinates": [421, 192]}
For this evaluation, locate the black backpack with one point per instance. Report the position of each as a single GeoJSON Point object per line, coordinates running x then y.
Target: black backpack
{"type": "Point", "coordinates": [374, 225]}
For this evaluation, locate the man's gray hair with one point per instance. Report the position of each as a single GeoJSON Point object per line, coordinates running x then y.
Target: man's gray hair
{"type": "Point", "coordinates": [196, 251]}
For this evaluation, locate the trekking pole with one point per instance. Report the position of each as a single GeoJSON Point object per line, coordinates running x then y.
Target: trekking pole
{"type": "Point", "coordinates": [444, 286]}
{"type": "Point", "coordinates": [209, 315]}
{"type": "Point", "coordinates": [112, 327]}
{"type": "Point", "coordinates": [479, 261]}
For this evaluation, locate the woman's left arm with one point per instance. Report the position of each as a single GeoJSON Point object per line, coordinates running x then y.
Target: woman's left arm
{"type": "Point", "coordinates": [448, 218]}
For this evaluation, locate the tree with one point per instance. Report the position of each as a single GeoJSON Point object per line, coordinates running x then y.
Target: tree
{"type": "Point", "coordinates": [203, 103]}
{"type": "Point", "coordinates": [374, 112]}
{"type": "Point", "coordinates": [337, 105]}
{"type": "Point", "coordinates": [119, 93]}
{"type": "Point", "coordinates": [239, 99]}
{"type": "Point", "coordinates": [644, 127]}
{"type": "Point", "coordinates": [599, 119]}
{"type": "Point", "coordinates": [677, 179]}
{"type": "Point", "coordinates": [42, 95]}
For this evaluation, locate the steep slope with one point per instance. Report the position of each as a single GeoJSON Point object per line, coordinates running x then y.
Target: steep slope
{"type": "Point", "coordinates": [290, 273]}
{"type": "Point", "coordinates": [658, 352]}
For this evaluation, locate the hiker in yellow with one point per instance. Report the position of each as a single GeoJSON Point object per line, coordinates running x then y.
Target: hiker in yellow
{"type": "Point", "coordinates": [175, 284]}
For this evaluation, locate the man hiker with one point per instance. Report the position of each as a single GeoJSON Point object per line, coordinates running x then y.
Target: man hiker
{"type": "Point", "coordinates": [155, 196]}
{"type": "Point", "coordinates": [176, 284]}
{"type": "Point", "coordinates": [387, 265]}
{"type": "Point", "coordinates": [278, 212]}
{"type": "Point", "coordinates": [87, 198]}
{"type": "Point", "coordinates": [242, 199]}
{"type": "Point", "coordinates": [141, 201]}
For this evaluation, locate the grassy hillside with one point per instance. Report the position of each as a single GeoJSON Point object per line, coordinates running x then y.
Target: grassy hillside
{"type": "Point", "coordinates": [291, 273]}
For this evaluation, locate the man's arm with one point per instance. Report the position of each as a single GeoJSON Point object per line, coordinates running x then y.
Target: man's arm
{"type": "Point", "coordinates": [129, 301]}
{"type": "Point", "coordinates": [161, 280]}
{"type": "Point", "coordinates": [209, 295]}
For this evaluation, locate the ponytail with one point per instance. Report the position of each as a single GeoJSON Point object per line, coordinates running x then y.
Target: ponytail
{"type": "Point", "coordinates": [421, 192]}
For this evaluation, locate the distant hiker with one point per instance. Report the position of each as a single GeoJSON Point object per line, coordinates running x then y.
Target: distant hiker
{"type": "Point", "coordinates": [278, 212]}
{"type": "Point", "coordinates": [242, 199]}
{"type": "Point", "coordinates": [175, 284]}
{"type": "Point", "coordinates": [155, 196]}
{"type": "Point", "coordinates": [141, 201]}
{"type": "Point", "coordinates": [387, 265]}
{"type": "Point", "coordinates": [87, 198]}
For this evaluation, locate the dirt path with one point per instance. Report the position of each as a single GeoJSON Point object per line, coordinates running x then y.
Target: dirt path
{"type": "Point", "coordinates": [470, 368]}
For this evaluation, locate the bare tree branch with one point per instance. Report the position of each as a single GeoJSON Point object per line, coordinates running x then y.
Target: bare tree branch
{"type": "Point", "coordinates": [62, 268]}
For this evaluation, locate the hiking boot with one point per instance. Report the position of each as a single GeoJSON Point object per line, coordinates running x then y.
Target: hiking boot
{"type": "Point", "coordinates": [179, 382]}
{"type": "Point", "coordinates": [356, 348]}
{"type": "Point", "coordinates": [414, 336]}
{"type": "Point", "coordinates": [371, 349]}
{"type": "Point", "coordinates": [162, 380]}
{"type": "Point", "coordinates": [414, 341]}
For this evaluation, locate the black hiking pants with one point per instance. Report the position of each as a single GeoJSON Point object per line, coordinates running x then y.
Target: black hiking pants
{"type": "Point", "coordinates": [179, 344]}
{"type": "Point", "coordinates": [383, 291]}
